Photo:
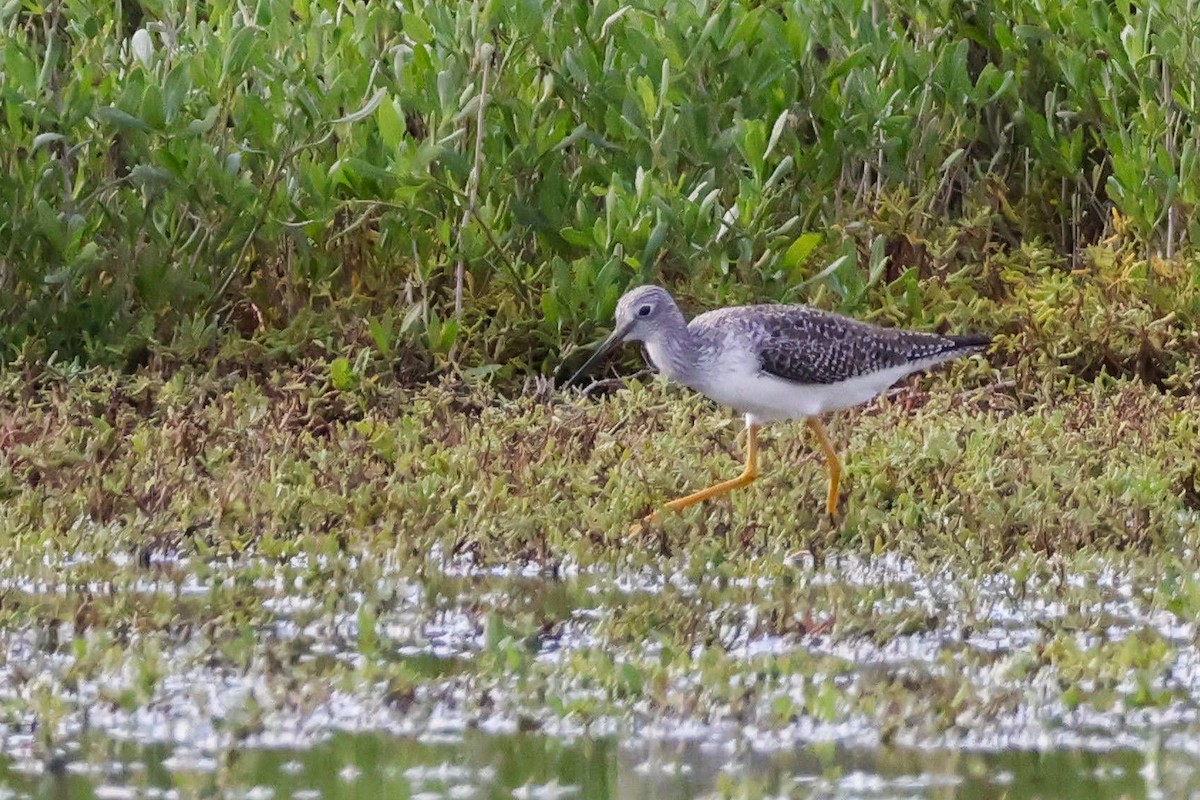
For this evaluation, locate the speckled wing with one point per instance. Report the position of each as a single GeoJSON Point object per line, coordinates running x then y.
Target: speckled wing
{"type": "Point", "coordinates": [808, 346]}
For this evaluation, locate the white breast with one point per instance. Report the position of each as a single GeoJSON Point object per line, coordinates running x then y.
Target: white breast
{"type": "Point", "coordinates": [739, 383]}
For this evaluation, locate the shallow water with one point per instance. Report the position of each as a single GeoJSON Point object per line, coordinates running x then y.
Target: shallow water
{"type": "Point", "coordinates": [537, 767]}
{"type": "Point", "coordinates": [874, 678]}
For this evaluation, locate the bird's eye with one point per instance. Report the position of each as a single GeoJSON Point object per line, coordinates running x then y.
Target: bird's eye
{"type": "Point", "coordinates": [644, 311]}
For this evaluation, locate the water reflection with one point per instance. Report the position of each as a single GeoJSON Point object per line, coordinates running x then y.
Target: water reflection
{"type": "Point", "coordinates": [534, 767]}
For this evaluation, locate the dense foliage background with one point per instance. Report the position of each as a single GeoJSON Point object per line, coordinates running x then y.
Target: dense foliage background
{"type": "Point", "coordinates": [479, 181]}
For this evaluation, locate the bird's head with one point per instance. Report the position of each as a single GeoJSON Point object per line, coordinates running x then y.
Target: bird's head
{"type": "Point", "coordinates": [642, 313]}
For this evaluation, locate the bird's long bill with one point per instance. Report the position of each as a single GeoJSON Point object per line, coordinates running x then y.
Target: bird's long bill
{"type": "Point", "coordinates": [609, 344]}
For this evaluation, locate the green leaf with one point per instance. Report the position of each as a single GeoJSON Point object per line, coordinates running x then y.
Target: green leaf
{"type": "Point", "coordinates": [361, 168]}
{"type": "Point", "coordinates": [1004, 87]}
{"type": "Point", "coordinates": [664, 82]}
{"type": "Point", "coordinates": [525, 15]}
{"type": "Point", "coordinates": [785, 166]}
{"type": "Point", "coordinates": [411, 317]}
{"type": "Point", "coordinates": [1032, 32]}
{"type": "Point", "coordinates": [485, 370]}
{"type": "Point", "coordinates": [237, 54]}
{"type": "Point", "coordinates": [629, 680]}
{"type": "Point", "coordinates": [833, 267]}
{"type": "Point", "coordinates": [390, 123]}
{"type": "Point", "coordinates": [341, 374]}
{"type": "Point", "coordinates": [879, 259]}
{"type": "Point", "coordinates": [550, 308]}
{"type": "Point", "coordinates": [645, 92]}
{"type": "Point", "coordinates": [382, 336]}
{"type": "Point", "coordinates": [653, 245]}
{"type": "Point", "coordinates": [122, 119]}
{"type": "Point", "coordinates": [952, 159]}
{"type": "Point", "coordinates": [43, 139]}
{"type": "Point", "coordinates": [752, 143]}
{"type": "Point", "coordinates": [89, 254]}
{"type": "Point", "coordinates": [798, 252]}
{"type": "Point", "coordinates": [175, 91]}
{"type": "Point", "coordinates": [572, 137]}
{"type": "Point", "coordinates": [417, 28]}
{"type": "Point", "coordinates": [20, 71]}
{"type": "Point", "coordinates": [205, 123]}
{"type": "Point", "coordinates": [441, 333]}
{"type": "Point", "coordinates": [152, 107]}
{"type": "Point", "coordinates": [367, 109]}
{"type": "Point", "coordinates": [412, 163]}
{"type": "Point", "coordinates": [57, 276]}
{"type": "Point", "coordinates": [612, 19]}
{"type": "Point", "coordinates": [776, 132]}
{"type": "Point", "coordinates": [149, 176]}
{"type": "Point", "coordinates": [577, 237]}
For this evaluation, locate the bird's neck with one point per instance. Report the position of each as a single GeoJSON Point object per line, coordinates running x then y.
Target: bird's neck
{"type": "Point", "coordinates": [675, 351]}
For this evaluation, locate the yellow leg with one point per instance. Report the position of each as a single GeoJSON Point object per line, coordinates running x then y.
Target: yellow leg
{"type": "Point", "coordinates": [747, 476]}
{"type": "Point", "coordinates": [831, 459]}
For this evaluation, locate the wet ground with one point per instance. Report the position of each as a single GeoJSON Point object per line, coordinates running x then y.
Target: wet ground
{"type": "Point", "coordinates": [321, 675]}
{"type": "Point", "coordinates": [258, 586]}
{"type": "Point", "coordinates": [533, 766]}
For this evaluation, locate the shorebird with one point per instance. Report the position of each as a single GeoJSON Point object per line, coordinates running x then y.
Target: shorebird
{"type": "Point", "coordinates": [772, 363]}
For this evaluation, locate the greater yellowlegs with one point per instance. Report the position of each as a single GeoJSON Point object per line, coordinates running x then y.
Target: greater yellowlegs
{"type": "Point", "coordinates": [773, 363]}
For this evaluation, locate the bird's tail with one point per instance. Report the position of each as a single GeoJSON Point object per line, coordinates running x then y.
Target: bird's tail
{"type": "Point", "coordinates": [948, 348]}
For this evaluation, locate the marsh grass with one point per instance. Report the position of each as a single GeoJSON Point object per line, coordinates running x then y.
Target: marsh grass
{"type": "Point", "coordinates": [166, 529]}
{"type": "Point", "coordinates": [264, 232]}
{"type": "Point", "coordinates": [225, 462]}
{"type": "Point", "coordinates": [477, 183]}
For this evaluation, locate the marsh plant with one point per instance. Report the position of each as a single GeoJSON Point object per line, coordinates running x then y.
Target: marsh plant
{"type": "Point", "coordinates": [479, 181]}
{"type": "Point", "coordinates": [337, 248]}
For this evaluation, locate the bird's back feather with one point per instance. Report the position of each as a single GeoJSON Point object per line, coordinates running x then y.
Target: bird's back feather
{"type": "Point", "coordinates": [808, 346]}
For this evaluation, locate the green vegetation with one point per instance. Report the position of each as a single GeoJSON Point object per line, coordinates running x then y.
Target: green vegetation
{"type": "Point", "coordinates": [1003, 565]}
{"type": "Point", "coordinates": [283, 284]}
{"type": "Point", "coordinates": [179, 175]}
{"type": "Point", "coordinates": [262, 462]}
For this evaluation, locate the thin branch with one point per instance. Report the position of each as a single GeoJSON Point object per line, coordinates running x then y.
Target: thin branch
{"type": "Point", "coordinates": [599, 385]}
{"type": "Point", "coordinates": [518, 284]}
{"type": "Point", "coordinates": [362, 219]}
{"type": "Point", "coordinates": [272, 185]}
{"type": "Point", "coordinates": [485, 52]}
{"type": "Point", "coordinates": [968, 395]}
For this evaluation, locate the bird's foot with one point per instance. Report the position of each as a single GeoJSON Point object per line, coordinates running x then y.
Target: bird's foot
{"type": "Point", "coordinates": [646, 524]}
{"type": "Point", "coordinates": [835, 508]}
{"type": "Point", "coordinates": [649, 531]}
